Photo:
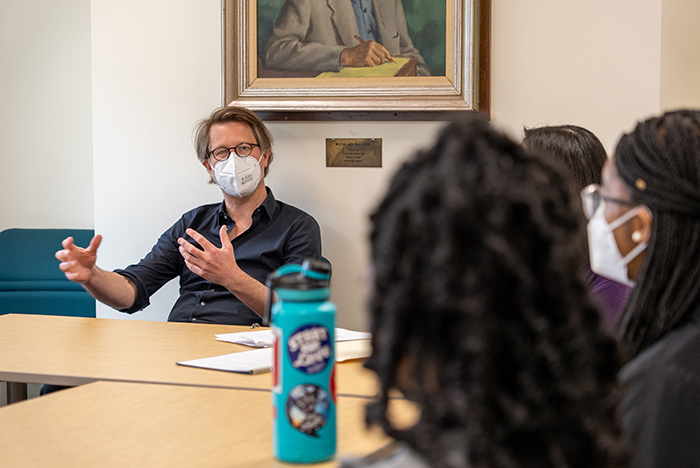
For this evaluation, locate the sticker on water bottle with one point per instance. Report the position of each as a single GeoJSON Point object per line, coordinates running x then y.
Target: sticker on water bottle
{"type": "Point", "coordinates": [307, 408]}
{"type": "Point", "coordinates": [309, 348]}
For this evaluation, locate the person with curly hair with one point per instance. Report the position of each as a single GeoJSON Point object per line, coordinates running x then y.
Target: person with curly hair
{"type": "Point", "coordinates": [581, 155]}
{"type": "Point", "coordinates": [645, 229]}
{"type": "Point", "coordinates": [478, 314]}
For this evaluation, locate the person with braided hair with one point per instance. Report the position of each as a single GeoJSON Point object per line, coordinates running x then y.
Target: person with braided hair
{"type": "Point", "coordinates": [582, 156]}
{"type": "Point", "coordinates": [478, 314]}
{"type": "Point", "coordinates": [645, 230]}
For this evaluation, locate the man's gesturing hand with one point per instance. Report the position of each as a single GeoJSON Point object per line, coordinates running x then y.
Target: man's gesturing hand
{"type": "Point", "coordinates": [77, 262]}
{"type": "Point", "coordinates": [217, 265]}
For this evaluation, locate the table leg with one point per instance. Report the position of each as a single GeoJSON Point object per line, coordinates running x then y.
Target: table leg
{"type": "Point", "coordinates": [16, 392]}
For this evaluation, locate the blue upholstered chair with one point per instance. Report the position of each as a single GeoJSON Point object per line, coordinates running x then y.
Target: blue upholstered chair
{"type": "Point", "coordinates": [30, 281]}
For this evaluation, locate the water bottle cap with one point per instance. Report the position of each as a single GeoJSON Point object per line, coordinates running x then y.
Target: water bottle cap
{"type": "Point", "coordinates": [308, 282]}
{"type": "Point", "coordinates": [316, 269]}
{"type": "Point", "coordinates": [312, 274]}
{"type": "Point", "coordinates": [303, 295]}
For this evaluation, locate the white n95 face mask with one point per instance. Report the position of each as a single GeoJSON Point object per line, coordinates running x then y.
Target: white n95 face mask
{"type": "Point", "coordinates": [605, 256]}
{"type": "Point", "coordinates": [238, 176]}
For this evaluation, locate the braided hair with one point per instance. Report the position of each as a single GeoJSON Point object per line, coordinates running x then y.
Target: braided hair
{"type": "Point", "coordinates": [660, 162]}
{"type": "Point", "coordinates": [475, 261]}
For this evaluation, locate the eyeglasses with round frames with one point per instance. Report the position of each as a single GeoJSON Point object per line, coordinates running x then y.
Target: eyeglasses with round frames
{"type": "Point", "coordinates": [592, 197]}
{"type": "Point", "coordinates": [242, 149]}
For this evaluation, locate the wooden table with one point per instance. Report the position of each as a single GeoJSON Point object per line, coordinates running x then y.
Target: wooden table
{"type": "Point", "coordinates": [76, 350]}
{"type": "Point", "coordinates": [110, 424]}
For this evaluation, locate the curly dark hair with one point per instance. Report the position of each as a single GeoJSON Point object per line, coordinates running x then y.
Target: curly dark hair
{"type": "Point", "coordinates": [475, 283]}
{"type": "Point", "coordinates": [660, 163]}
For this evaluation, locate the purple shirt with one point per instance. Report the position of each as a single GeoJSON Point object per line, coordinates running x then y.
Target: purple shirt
{"type": "Point", "coordinates": [610, 296]}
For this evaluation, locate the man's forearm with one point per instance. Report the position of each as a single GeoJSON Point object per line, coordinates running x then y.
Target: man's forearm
{"type": "Point", "coordinates": [250, 291]}
{"type": "Point", "coordinates": [111, 288]}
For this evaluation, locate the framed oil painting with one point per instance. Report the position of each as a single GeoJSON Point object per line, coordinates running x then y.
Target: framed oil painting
{"type": "Point", "coordinates": [357, 59]}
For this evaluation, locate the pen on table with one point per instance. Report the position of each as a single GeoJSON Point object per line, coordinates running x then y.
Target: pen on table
{"type": "Point", "coordinates": [361, 40]}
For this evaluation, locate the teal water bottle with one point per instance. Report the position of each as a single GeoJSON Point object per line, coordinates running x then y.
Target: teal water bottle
{"type": "Point", "coordinates": [303, 389]}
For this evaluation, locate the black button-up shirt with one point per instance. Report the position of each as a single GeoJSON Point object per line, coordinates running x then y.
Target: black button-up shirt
{"type": "Point", "coordinates": [280, 234]}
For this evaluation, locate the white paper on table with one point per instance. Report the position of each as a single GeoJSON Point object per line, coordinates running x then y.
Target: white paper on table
{"type": "Point", "coordinates": [256, 339]}
{"type": "Point", "coordinates": [355, 349]}
{"type": "Point", "coordinates": [342, 334]}
{"type": "Point", "coordinates": [264, 338]}
{"type": "Point", "coordinates": [259, 361]}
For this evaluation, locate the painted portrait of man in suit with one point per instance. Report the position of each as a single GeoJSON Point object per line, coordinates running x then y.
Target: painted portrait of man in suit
{"type": "Point", "coordinates": [327, 35]}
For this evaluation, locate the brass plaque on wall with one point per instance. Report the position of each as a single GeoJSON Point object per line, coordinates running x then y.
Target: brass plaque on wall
{"type": "Point", "coordinates": [353, 152]}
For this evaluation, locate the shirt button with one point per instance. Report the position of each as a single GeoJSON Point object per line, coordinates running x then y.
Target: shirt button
{"type": "Point", "coordinates": [194, 319]}
{"type": "Point", "coordinates": [369, 31]}
{"type": "Point", "coordinates": [365, 10]}
{"type": "Point", "coordinates": [202, 303]}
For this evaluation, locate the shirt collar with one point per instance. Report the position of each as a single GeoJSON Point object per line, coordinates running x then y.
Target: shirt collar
{"type": "Point", "coordinates": [269, 206]}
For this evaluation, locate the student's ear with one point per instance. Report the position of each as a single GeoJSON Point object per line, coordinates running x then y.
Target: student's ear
{"type": "Point", "coordinates": [642, 225]}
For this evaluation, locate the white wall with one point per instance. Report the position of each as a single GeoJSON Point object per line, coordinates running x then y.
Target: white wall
{"type": "Point", "coordinates": [592, 63]}
{"type": "Point", "coordinates": [45, 114]}
{"type": "Point", "coordinates": [680, 49]}
{"type": "Point", "coordinates": [155, 71]}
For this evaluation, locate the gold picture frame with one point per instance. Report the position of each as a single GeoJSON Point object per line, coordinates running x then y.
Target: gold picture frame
{"type": "Point", "coordinates": [465, 86]}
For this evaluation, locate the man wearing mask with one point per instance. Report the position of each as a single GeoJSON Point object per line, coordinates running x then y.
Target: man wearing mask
{"type": "Point", "coordinates": [223, 252]}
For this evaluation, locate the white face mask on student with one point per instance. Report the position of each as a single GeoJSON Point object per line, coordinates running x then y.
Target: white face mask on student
{"type": "Point", "coordinates": [238, 176]}
{"type": "Point", "coordinates": [605, 256]}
